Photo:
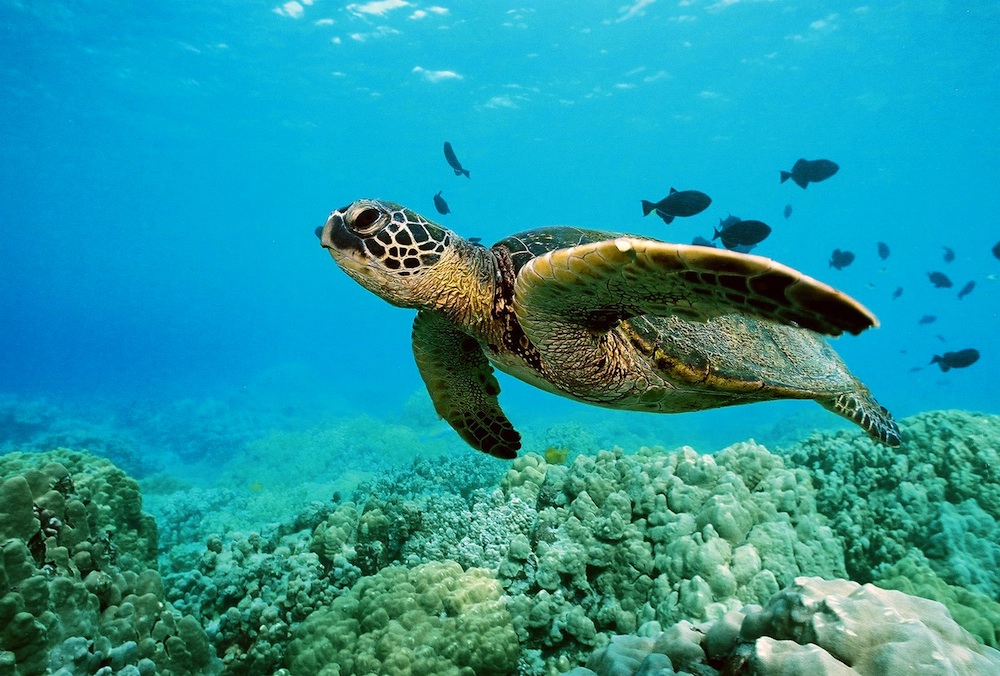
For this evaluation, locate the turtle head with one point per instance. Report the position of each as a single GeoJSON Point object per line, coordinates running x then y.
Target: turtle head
{"type": "Point", "coordinates": [388, 249]}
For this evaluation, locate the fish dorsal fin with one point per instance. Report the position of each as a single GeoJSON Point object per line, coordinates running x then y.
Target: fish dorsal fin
{"type": "Point", "coordinates": [672, 190]}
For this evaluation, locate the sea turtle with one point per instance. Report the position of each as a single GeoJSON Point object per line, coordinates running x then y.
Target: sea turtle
{"type": "Point", "coordinates": [614, 320]}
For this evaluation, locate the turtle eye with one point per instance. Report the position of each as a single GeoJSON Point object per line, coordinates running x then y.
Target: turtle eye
{"type": "Point", "coordinates": [366, 221]}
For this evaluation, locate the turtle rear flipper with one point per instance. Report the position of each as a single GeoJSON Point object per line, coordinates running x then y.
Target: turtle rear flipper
{"type": "Point", "coordinates": [861, 408]}
{"type": "Point", "coordinates": [462, 386]}
{"type": "Point", "coordinates": [597, 285]}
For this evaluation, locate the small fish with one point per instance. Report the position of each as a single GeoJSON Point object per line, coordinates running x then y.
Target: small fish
{"type": "Point", "coordinates": [996, 250]}
{"type": "Point", "coordinates": [805, 172]}
{"type": "Point", "coordinates": [883, 250]}
{"type": "Point", "coordinates": [956, 360]}
{"type": "Point", "coordinates": [949, 254]}
{"type": "Point", "coordinates": [927, 319]}
{"type": "Point", "coordinates": [841, 259]}
{"type": "Point", "coordinates": [678, 203]}
{"type": "Point", "coordinates": [449, 154]}
{"type": "Point", "coordinates": [440, 204]}
{"type": "Point", "coordinates": [914, 369]}
{"type": "Point", "coordinates": [966, 290]}
{"type": "Point", "coordinates": [701, 241]}
{"type": "Point", "coordinates": [939, 280]}
{"type": "Point", "coordinates": [788, 210]}
{"type": "Point", "coordinates": [897, 293]}
{"type": "Point", "coordinates": [742, 233]}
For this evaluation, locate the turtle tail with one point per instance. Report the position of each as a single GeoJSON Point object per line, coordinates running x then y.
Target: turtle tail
{"type": "Point", "coordinates": [861, 408]}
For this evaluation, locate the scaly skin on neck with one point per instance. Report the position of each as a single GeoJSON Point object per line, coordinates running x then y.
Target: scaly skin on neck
{"type": "Point", "coordinates": [462, 287]}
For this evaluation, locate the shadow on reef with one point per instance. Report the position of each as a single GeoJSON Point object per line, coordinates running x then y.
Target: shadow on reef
{"type": "Point", "coordinates": [467, 565]}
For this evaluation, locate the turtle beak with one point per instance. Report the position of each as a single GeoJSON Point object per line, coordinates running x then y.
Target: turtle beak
{"type": "Point", "coordinates": [336, 236]}
{"type": "Point", "coordinates": [325, 233]}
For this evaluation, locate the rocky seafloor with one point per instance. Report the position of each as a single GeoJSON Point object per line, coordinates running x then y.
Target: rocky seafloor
{"type": "Point", "coordinates": [827, 556]}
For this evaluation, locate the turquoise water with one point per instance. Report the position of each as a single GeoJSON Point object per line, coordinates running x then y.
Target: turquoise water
{"type": "Point", "coordinates": [164, 171]}
{"type": "Point", "coordinates": [165, 303]}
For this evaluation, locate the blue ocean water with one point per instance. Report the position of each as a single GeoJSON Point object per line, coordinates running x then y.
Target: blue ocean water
{"type": "Point", "coordinates": [163, 170]}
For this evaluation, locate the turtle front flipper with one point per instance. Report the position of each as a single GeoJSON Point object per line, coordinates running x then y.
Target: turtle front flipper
{"type": "Point", "coordinates": [462, 386]}
{"type": "Point", "coordinates": [596, 285]}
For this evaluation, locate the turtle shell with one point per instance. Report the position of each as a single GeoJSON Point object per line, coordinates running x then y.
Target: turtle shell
{"type": "Point", "coordinates": [524, 246]}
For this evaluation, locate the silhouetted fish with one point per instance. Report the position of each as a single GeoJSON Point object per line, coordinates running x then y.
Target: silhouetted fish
{"type": "Point", "coordinates": [883, 250]}
{"type": "Point", "coordinates": [841, 259]}
{"type": "Point", "coordinates": [731, 220]}
{"type": "Point", "coordinates": [927, 319]}
{"type": "Point", "coordinates": [897, 293]}
{"type": "Point", "coordinates": [788, 210]}
{"type": "Point", "coordinates": [449, 154]}
{"type": "Point", "coordinates": [701, 241]}
{"type": "Point", "coordinates": [805, 172]}
{"type": "Point", "coordinates": [956, 360]}
{"type": "Point", "coordinates": [949, 254]}
{"type": "Point", "coordinates": [440, 204]}
{"type": "Point", "coordinates": [742, 233]}
{"type": "Point", "coordinates": [966, 290]}
{"type": "Point", "coordinates": [996, 250]}
{"type": "Point", "coordinates": [939, 279]}
{"type": "Point", "coordinates": [678, 203]}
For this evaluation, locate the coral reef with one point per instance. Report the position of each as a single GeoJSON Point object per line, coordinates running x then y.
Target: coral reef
{"type": "Point", "coordinates": [79, 588]}
{"type": "Point", "coordinates": [594, 551]}
{"type": "Point", "coordinates": [435, 619]}
{"type": "Point", "coordinates": [940, 498]}
{"type": "Point", "coordinates": [813, 626]}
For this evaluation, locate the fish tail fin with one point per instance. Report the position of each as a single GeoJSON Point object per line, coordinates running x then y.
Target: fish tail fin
{"type": "Point", "coordinates": [940, 362]}
{"type": "Point", "coordinates": [861, 408]}
{"type": "Point", "coordinates": [785, 176]}
{"type": "Point", "coordinates": [466, 172]}
{"type": "Point", "coordinates": [647, 207]}
{"type": "Point", "coordinates": [716, 233]}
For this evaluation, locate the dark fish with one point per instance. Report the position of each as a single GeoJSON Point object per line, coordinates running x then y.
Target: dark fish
{"type": "Point", "coordinates": [742, 233]}
{"type": "Point", "coordinates": [949, 254]}
{"type": "Point", "coordinates": [728, 221]}
{"type": "Point", "coordinates": [966, 290]}
{"type": "Point", "coordinates": [701, 241]}
{"type": "Point", "coordinates": [788, 210]}
{"type": "Point", "coordinates": [440, 204]}
{"type": "Point", "coordinates": [956, 360]}
{"type": "Point", "coordinates": [914, 369]}
{"type": "Point", "coordinates": [841, 259]}
{"type": "Point", "coordinates": [678, 203]}
{"type": "Point", "coordinates": [805, 172]}
{"type": "Point", "coordinates": [927, 319]}
{"type": "Point", "coordinates": [996, 250]}
{"type": "Point", "coordinates": [449, 154]}
{"type": "Point", "coordinates": [883, 250]}
{"type": "Point", "coordinates": [939, 279]}
{"type": "Point", "coordinates": [897, 293]}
